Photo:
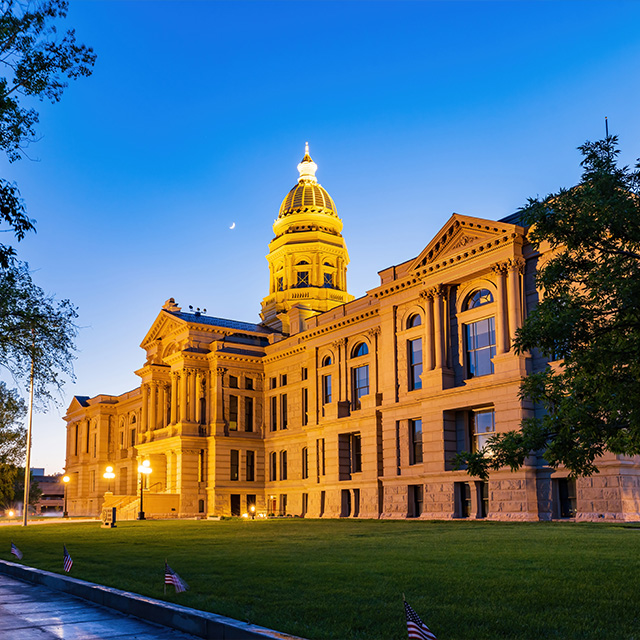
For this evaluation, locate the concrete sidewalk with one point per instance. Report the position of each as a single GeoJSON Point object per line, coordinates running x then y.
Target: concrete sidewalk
{"type": "Point", "coordinates": [30, 612]}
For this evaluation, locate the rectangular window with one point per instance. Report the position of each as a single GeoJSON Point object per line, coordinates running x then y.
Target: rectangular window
{"type": "Point", "coordinates": [235, 463]}
{"type": "Point", "coordinates": [483, 426]}
{"type": "Point", "coordinates": [415, 441]}
{"type": "Point", "coordinates": [305, 504]}
{"type": "Point", "coordinates": [302, 279]}
{"type": "Point", "coordinates": [280, 284]}
{"type": "Point", "coordinates": [328, 281]}
{"type": "Point", "coordinates": [349, 455]}
{"type": "Point", "coordinates": [133, 437]}
{"type": "Point", "coordinates": [75, 446]}
{"type": "Point", "coordinates": [283, 380]}
{"type": "Point", "coordinates": [273, 383]}
{"type": "Point", "coordinates": [248, 414]}
{"type": "Point", "coordinates": [87, 442]}
{"type": "Point", "coordinates": [326, 389]}
{"type": "Point", "coordinates": [248, 384]}
{"type": "Point", "coordinates": [356, 453]}
{"type": "Point", "coordinates": [416, 498]}
{"type": "Point", "coordinates": [305, 406]}
{"type": "Point", "coordinates": [323, 498]}
{"type": "Point", "coordinates": [122, 439]}
{"type": "Point", "coordinates": [481, 347]}
{"type": "Point", "coordinates": [235, 504]}
{"type": "Point", "coordinates": [202, 469]}
{"type": "Point", "coordinates": [462, 499]}
{"type": "Point", "coordinates": [273, 467]}
{"type": "Point", "coordinates": [283, 411]}
{"type": "Point", "coordinates": [566, 497]}
{"type": "Point", "coordinates": [283, 465]}
{"type": "Point", "coordinates": [322, 459]}
{"type": "Point", "coordinates": [305, 373]}
{"type": "Point", "coordinates": [92, 481]}
{"type": "Point", "coordinates": [250, 472]}
{"type": "Point", "coordinates": [233, 413]}
{"type": "Point", "coordinates": [360, 380]}
{"type": "Point", "coordinates": [233, 382]}
{"type": "Point", "coordinates": [483, 498]}
{"type": "Point", "coordinates": [95, 445]}
{"type": "Point", "coordinates": [305, 463]}
{"type": "Point", "coordinates": [283, 504]}
{"type": "Point", "coordinates": [414, 358]}
{"type": "Point", "coordinates": [274, 413]}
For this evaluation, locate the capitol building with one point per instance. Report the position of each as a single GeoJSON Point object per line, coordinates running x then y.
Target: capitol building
{"type": "Point", "coordinates": [335, 407]}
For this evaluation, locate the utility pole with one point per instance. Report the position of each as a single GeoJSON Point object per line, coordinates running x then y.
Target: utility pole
{"type": "Point", "coordinates": [27, 467]}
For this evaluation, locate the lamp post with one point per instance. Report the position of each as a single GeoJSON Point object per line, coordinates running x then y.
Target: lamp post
{"type": "Point", "coordinates": [109, 475]}
{"type": "Point", "coordinates": [65, 479]}
{"type": "Point", "coordinates": [253, 511]}
{"type": "Point", "coordinates": [144, 469]}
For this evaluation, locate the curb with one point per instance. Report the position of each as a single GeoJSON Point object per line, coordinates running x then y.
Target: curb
{"type": "Point", "coordinates": [198, 623]}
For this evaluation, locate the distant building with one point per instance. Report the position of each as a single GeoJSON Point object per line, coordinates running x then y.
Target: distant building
{"type": "Point", "coordinates": [335, 407]}
{"type": "Point", "coordinates": [52, 487]}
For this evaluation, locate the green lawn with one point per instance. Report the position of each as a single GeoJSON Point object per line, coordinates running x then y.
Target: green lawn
{"type": "Point", "coordinates": [344, 579]}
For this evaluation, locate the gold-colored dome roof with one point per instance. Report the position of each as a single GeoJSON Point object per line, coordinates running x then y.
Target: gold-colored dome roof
{"type": "Point", "coordinates": [307, 194]}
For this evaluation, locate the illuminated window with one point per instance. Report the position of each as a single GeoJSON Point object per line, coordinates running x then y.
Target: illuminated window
{"type": "Point", "coordinates": [414, 358]}
{"type": "Point", "coordinates": [360, 381]}
{"type": "Point", "coordinates": [481, 347]}
{"type": "Point", "coordinates": [478, 298]}
{"type": "Point", "coordinates": [233, 413]}
{"type": "Point", "coordinates": [483, 426]}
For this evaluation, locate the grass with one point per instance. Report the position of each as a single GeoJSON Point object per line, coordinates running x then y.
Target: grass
{"type": "Point", "coordinates": [344, 580]}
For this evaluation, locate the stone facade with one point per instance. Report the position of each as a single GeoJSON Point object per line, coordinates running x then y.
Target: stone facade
{"type": "Point", "coordinates": [335, 407]}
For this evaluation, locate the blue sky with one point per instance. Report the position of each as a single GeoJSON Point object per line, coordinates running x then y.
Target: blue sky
{"type": "Point", "coordinates": [197, 114]}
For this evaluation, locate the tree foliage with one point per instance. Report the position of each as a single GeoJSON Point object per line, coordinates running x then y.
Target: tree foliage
{"type": "Point", "coordinates": [37, 62]}
{"type": "Point", "coordinates": [12, 431]}
{"type": "Point", "coordinates": [587, 323]}
{"type": "Point", "coordinates": [35, 327]}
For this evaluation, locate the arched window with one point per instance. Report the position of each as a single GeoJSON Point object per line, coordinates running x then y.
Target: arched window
{"type": "Point", "coordinates": [478, 298]}
{"type": "Point", "coordinates": [326, 361]}
{"type": "Point", "coordinates": [414, 321]}
{"type": "Point", "coordinates": [327, 264]}
{"type": "Point", "coordinates": [360, 349]}
{"type": "Point", "coordinates": [302, 262]}
{"type": "Point", "coordinates": [133, 418]}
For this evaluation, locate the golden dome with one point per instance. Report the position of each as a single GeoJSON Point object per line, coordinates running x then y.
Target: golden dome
{"type": "Point", "coordinates": [307, 195]}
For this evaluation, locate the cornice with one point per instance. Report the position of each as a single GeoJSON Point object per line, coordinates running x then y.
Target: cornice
{"type": "Point", "coordinates": [338, 324]}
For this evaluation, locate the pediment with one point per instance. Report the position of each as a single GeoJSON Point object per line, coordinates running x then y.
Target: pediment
{"type": "Point", "coordinates": [461, 233]}
{"type": "Point", "coordinates": [78, 402]}
{"type": "Point", "coordinates": [164, 325]}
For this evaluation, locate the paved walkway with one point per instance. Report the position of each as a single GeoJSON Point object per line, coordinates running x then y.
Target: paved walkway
{"type": "Point", "coordinates": [31, 612]}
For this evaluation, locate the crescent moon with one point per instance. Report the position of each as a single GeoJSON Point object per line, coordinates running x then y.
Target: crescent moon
{"type": "Point", "coordinates": [233, 226]}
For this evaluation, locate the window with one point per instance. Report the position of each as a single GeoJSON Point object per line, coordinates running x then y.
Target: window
{"type": "Point", "coordinates": [414, 358]}
{"type": "Point", "coordinates": [416, 498]}
{"type": "Point", "coordinates": [273, 382]}
{"type": "Point", "coordinates": [302, 279]}
{"type": "Point", "coordinates": [235, 463]}
{"type": "Point", "coordinates": [360, 378]}
{"type": "Point", "coordinates": [283, 411]}
{"type": "Point", "coordinates": [234, 499]}
{"type": "Point", "coordinates": [92, 481]}
{"type": "Point", "coordinates": [95, 445]}
{"type": "Point", "coordinates": [462, 496]}
{"type": "Point", "coordinates": [415, 441]}
{"type": "Point", "coordinates": [273, 467]}
{"type": "Point", "coordinates": [202, 471]}
{"type": "Point", "coordinates": [349, 455]}
{"type": "Point", "coordinates": [483, 426]}
{"type": "Point", "coordinates": [274, 413]}
{"type": "Point", "coordinates": [121, 439]}
{"type": "Point", "coordinates": [283, 504]}
{"type": "Point", "coordinates": [75, 443]}
{"type": "Point", "coordinates": [200, 506]}
{"type": "Point", "coordinates": [414, 321]}
{"type": "Point", "coordinates": [248, 414]}
{"type": "Point", "coordinates": [360, 350]}
{"type": "Point", "coordinates": [233, 382]}
{"type": "Point", "coordinates": [481, 347]}
{"type": "Point", "coordinates": [305, 406]}
{"type": "Point", "coordinates": [250, 468]}
{"type": "Point", "coordinates": [283, 465]}
{"type": "Point", "coordinates": [233, 413]}
{"type": "Point", "coordinates": [478, 299]}
{"type": "Point", "coordinates": [279, 284]}
{"type": "Point", "coordinates": [251, 501]}
{"type": "Point", "coordinates": [248, 383]}
{"type": "Point", "coordinates": [283, 379]}
{"type": "Point", "coordinates": [305, 463]}
{"type": "Point", "coordinates": [304, 373]}
{"type": "Point", "coordinates": [327, 281]}
{"type": "Point", "coordinates": [326, 389]}
{"type": "Point", "coordinates": [319, 458]}
{"type": "Point", "coordinates": [323, 498]}
{"type": "Point", "coordinates": [305, 504]}
{"type": "Point", "coordinates": [566, 497]}
{"type": "Point", "coordinates": [483, 498]}
{"type": "Point", "coordinates": [356, 452]}
{"type": "Point", "coordinates": [87, 441]}
{"type": "Point", "coordinates": [326, 361]}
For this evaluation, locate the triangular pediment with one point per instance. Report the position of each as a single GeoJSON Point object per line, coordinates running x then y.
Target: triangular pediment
{"type": "Point", "coordinates": [460, 233]}
{"type": "Point", "coordinates": [165, 324]}
{"type": "Point", "coordinates": [78, 402]}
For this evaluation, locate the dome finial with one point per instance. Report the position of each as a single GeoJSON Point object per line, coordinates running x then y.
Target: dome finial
{"type": "Point", "coordinates": [307, 167]}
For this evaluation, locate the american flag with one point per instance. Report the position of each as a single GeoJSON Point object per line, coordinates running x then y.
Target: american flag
{"type": "Point", "coordinates": [67, 561]}
{"type": "Point", "coordinates": [417, 629]}
{"type": "Point", "coordinates": [171, 577]}
{"type": "Point", "coordinates": [16, 552]}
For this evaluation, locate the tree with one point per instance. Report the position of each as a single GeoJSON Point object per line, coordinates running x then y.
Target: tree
{"type": "Point", "coordinates": [12, 431]}
{"type": "Point", "coordinates": [38, 63]}
{"type": "Point", "coordinates": [587, 323]}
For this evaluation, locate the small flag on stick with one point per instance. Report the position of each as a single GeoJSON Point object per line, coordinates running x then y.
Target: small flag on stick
{"type": "Point", "coordinates": [16, 552]}
{"type": "Point", "coordinates": [67, 561]}
{"type": "Point", "coordinates": [171, 577]}
{"type": "Point", "coordinates": [417, 629]}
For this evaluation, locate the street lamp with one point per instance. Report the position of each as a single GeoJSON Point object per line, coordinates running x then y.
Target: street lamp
{"type": "Point", "coordinates": [252, 508]}
{"type": "Point", "coordinates": [65, 479]}
{"type": "Point", "coordinates": [144, 469]}
{"type": "Point", "coordinates": [109, 475]}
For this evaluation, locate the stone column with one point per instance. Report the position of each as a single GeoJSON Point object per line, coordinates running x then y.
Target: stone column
{"type": "Point", "coordinates": [500, 270]}
{"type": "Point", "coordinates": [153, 404]}
{"type": "Point", "coordinates": [373, 335]}
{"type": "Point", "coordinates": [439, 326]}
{"type": "Point", "coordinates": [183, 395]}
{"type": "Point", "coordinates": [192, 395]}
{"type": "Point", "coordinates": [145, 407]}
{"type": "Point", "coordinates": [174, 397]}
{"type": "Point", "coordinates": [427, 347]}
{"type": "Point", "coordinates": [196, 395]}
{"type": "Point", "coordinates": [516, 267]}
